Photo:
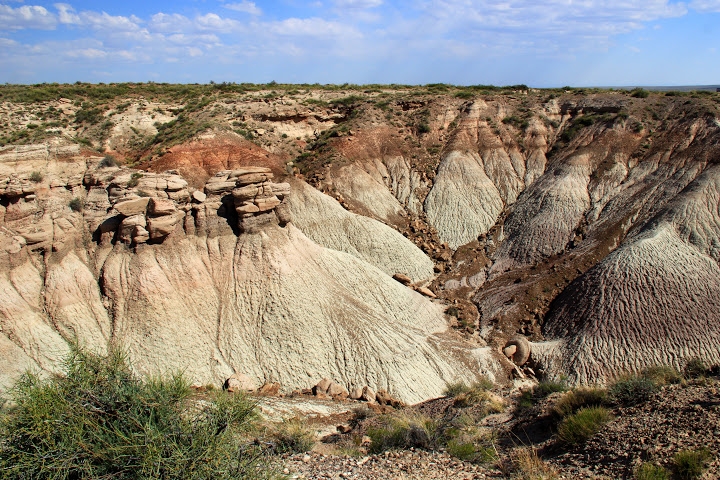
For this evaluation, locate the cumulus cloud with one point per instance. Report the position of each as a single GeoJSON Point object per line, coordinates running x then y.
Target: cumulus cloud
{"type": "Point", "coordinates": [353, 4]}
{"type": "Point", "coordinates": [245, 7]}
{"type": "Point", "coordinates": [311, 27]}
{"type": "Point", "coordinates": [705, 5]}
{"type": "Point", "coordinates": [33, 17]}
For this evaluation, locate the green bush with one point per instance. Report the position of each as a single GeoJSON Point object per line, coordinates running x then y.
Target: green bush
{"type": "Point", "coordinates": [530, 397]}
{"type": "Point", "coordinates": [650, 471]}
{"type": "Point", "coordinates": [36, 177]}
{"type": "Point", "coordinates": [579, 427]}
{"type": "Point", "coordinates": [134, 179]}
{"type": "Point", "coordinates": [108, 161]}
{"type": "Point", "coordinates": [99, 420]}
{"type": "Point", "coordinates": [691, 464]}
{"type": "Point", "coordinates": [291, 436]}
{"type": "Point", "coordinates": [76, 205]}
{"type": "Point", "coordinates": [456, 388]}
{"type": "Point", "coordinates": [579, 398]}
{"type": "Point", "coordinates": [696, 368]}
{"type": "Point", "coordinates": [639, 93]}
{"type": "Point", "coordinates": [632, 390]}
{"type": "Point", "coordinates": [402, 431]}
{"type": "Point", "coordinates": [663, 375]}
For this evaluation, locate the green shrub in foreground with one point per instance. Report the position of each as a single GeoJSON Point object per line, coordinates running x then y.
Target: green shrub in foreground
{"type": "Point", "coordinates": [650, 471]}
{"type": "Point", "coordinates": [691, 464]}
{"type": "Point", "coordinates": [582, 425]}
{"type": "Point", "coordinates": [99, 420]}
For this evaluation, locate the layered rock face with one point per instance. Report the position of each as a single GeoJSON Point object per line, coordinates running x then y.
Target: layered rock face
{"type": "Point", "coordinates": [217, 281]}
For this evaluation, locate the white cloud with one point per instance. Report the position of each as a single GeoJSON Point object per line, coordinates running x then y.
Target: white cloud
{"type": "Point", "coordinates": [245, 7]}
{"type": "Point", "coordinates": [705, 5]}
{"type": "Point", "coordinates": [358, 3]}
{"type": "Point", "coordinates": [215, 22]}
{"type": "Point", "coordinates": [87, 53]}
{"type": "Point", "coordinates": [312, 27]}
{"type": "Point", "coordinates": [66, 14]}
{"type": "Point", "coordinates": [26, 17]}
{"type": "Point", "coordinates": [163, 22]}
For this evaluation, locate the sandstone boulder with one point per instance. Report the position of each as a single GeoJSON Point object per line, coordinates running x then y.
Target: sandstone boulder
{"type": "Point", "coordinates": [239, 382]}
{"type": "Point", "coordinates": [132, 207]}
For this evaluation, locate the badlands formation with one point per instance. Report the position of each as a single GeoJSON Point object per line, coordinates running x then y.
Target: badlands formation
{"type": "Point", "coordinates": [395, 238]}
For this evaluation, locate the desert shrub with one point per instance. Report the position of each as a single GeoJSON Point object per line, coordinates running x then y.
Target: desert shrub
{"type": "Point", "coordinates": [76, 205]}
{"type": "Point", "coordinates": [580, 426]}
{"type": "Point", "coordinates": [632, 390]}
{"type": "Point", "coordinates": [478, 394]}
{"type": "Point", "coordinates": [36, 177]}
{"type": "Point", "coordinates": [695, 368]}
{"type": "Point", "coordinates": [650, 471]}
{"type": "Point", "coordinates": [402, 431]}
{"type": "Point", "coordinates": [579, 398]}
{"type": "Point", "coordinates": [530, 397]}
{"type": "Point", "coordinates": [461, 450]}
{"type": "Point", "coordinates": [526, 464]}
{"type": "Point", "coordinates": [662, 375]}
{"type": "Point", "coordinates": [99, 420]}
{"type": "Point", "coordinates": [691, 464]}
{"type": "Point", "coordinates": [290, 436]}
{"type": "Point", "coordinates": [108, 161]}
{"type": "Point", "coordinates": [639, 93]}
{"type": "Point", "coordinates": [455, 388]}
{"type": "Point", "coordinates": [134, 179]}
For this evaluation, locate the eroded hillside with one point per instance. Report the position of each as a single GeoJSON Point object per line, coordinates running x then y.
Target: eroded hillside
{"type": "Point", "coordinates": [257, 229]}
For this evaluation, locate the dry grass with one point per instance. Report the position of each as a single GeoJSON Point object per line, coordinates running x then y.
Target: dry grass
{"type": "Point", "coordinates": [527, 465]}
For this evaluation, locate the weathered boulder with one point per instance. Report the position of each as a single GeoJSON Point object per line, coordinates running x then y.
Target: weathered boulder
{"type": "Point", "coordinates": [132, 207]}
{"type": "Point", "coordinates": [239, 382]}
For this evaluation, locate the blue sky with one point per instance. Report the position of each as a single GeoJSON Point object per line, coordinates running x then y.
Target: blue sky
{"type": "Point", "coordinates": [465, 42]}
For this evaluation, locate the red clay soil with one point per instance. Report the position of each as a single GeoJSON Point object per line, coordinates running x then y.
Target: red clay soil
{"type": "Point", "coordinates": [200, 159]}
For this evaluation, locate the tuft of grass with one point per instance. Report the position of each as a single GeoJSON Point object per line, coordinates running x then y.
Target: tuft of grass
{"type": "Point", "coordinates": [99, 420]}
{"type": "Point", "coordinates": [650, 471]}
{"type": "Point", "coordinates": [530, 397]}
{"type": "Point", "coordinates": [403, 431]}
{"type": "Point", "coordinates": [691, 464]}
{"type": "Point", "coordinates": [579, 398]}
{"type": "Point", "coordinates": [455, 388]}
{"type": "Point", "coordinates": [580, 426]}
{"type": "Point", "coordinates": [632, 390]}
{"type": "Point", "coordinates": [36, 177]}
{"type": "Point", "coordinates": [527, 465]}
{"type": "Point", "coordinates": [290, 436]}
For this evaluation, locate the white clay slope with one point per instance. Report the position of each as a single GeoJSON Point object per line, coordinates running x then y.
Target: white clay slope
{"type": "Point", "coordinates": [653, 301]}
{"type": "Point", "coordinates": [323, 220]}
{"type": "Point", "coordinates": [463, 202]}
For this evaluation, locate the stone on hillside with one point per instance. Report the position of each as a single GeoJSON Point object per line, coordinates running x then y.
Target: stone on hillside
{"type": "Point", "coordinates": [161, 206]}
{"type": "Point", "coordinates": [239, 382]}
{"type": "Point", "coordinates": [247, 207]}
{"type": "Point", "coordinates": [217, 188]}
{"type": "Point", "coordinates": [425, 291]}
{"type": "Point", "coordinates": [132, 207]}
{"type": "Point", "coordinates": [337, 391]}
{"type": "Point", "coordinates": [248, 192]}
{"type": "Point", "coordinates": [322, 386]}
{"type": "Point", "coordinates": [270, 389]}
{"type": "Point", "coordinates": [368, 395]}
{"type": "Point", "coordinates": [199, 196]}
{"type": "Point", "coordinates": [356, 393]}
{"type": "Point", "coordinates": [402, 278]}
{"type": "Point", "coordinates": [268, 203]}
{"type": "Point", "coordinates": [250, 178]}
{"type": "Point", "coordinates": [163, 226]}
